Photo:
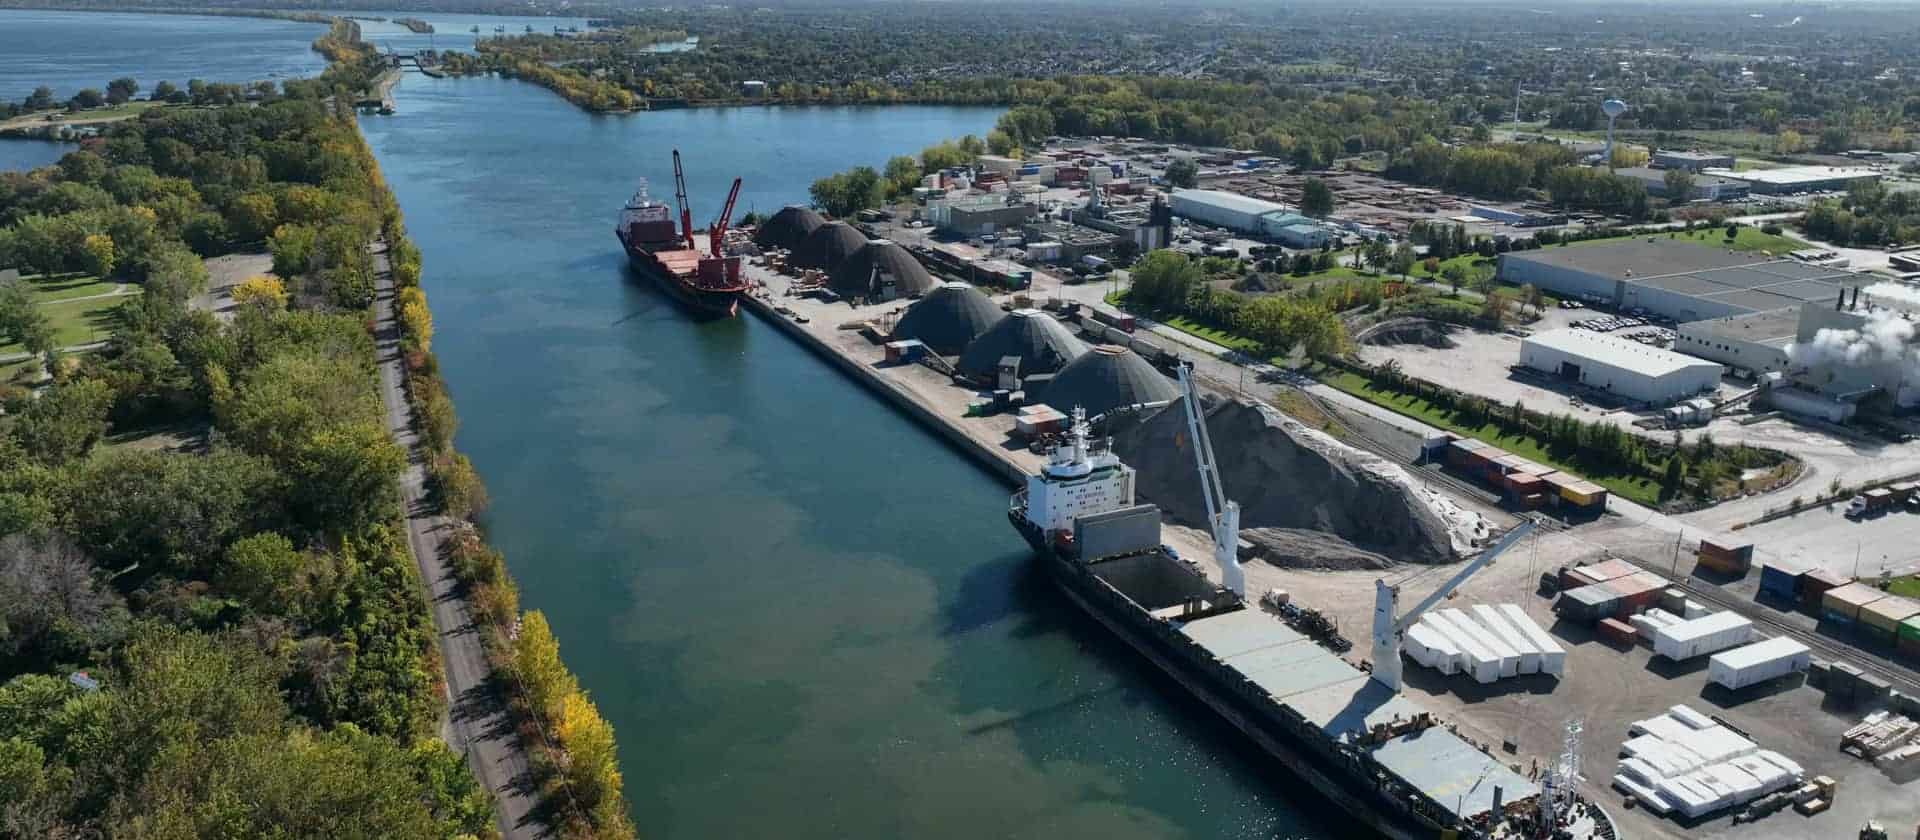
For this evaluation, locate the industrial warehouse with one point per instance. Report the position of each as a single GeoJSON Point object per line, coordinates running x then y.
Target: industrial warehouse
{"type": "Point", "coordinates": [1679, 281]}
{"type": "Point", "coordinates": [1631, 371]}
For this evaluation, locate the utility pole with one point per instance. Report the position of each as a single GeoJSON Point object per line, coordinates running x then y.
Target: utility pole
{"type": "Point", "coordinates": [1676, 552]}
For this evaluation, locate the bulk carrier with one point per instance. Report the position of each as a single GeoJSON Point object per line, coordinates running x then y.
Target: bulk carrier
{"type": "Point", "coordinates": [708, 283]}
{"type": "Point", "coordinates": [1380, 757]}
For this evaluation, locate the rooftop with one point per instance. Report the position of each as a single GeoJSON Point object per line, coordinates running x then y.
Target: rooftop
{"type": "Point", "coordinates": [1777, 326]}
{"type": "Point", "coordinates": [1760, 287]}
{"type": "Point", "coordinates": [1636, 257]}
{"type": "Point", "coordinates": [1791, 175]}
{"type": "Point", "coordinates": [1618, 352]}
{"type": "Point", "coordinates": [1692, 155]}
{"type": "Point", "coordinates": [1645, 173]}
{"type": "Point", "coordinates": [1230, 201]}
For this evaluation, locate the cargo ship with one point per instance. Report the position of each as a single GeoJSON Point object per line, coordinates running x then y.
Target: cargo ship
{"type": "Point", "coordinates": [1378, 756]}
{"type": "Point", "coordinates": [709, 283]}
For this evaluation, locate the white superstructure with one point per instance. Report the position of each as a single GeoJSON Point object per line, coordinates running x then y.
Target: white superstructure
{"type": "Point", "coordinates": [1081, 478]}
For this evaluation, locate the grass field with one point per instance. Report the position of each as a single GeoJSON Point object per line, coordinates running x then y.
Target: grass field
{"type": "Point", "coordinates": [77, 322]}
{"type": "Point", "coordinates": [1907, 586]}
{"type": "Point", "coordinates": [1748, 238]}
{"type": "Point", "coordinates": [67, 287]}
{"type": "Point", "coordinates": [1641, 490]}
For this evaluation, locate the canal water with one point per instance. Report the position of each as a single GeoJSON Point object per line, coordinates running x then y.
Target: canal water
{"type": "Point", "coordinates": [804, 615]}
{"type": "Point", "coordinates": [68, 51]}
{"type": "Point", "coordinates": [23, 154]}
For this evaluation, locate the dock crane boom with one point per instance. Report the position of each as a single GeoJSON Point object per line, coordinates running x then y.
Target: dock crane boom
{"type": "Point", "coordinates": [718, 230]}
{"type": "Point", "coordinates": [680, 201]}
{"type": "Point", "coordinates": [1389, 628]}
{"type": "Point", "coordinates": [1223, 514]}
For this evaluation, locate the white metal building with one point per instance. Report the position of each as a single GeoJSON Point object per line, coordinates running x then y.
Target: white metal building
{"type": "Point", "coordinates": [1755, 343]}
{"type": "Point", "coordinates": [1685, 280]}
{"type": "Point", "coordinates": [1619, 366]}
{"type": "Point", "coordinates": [1224, 209]}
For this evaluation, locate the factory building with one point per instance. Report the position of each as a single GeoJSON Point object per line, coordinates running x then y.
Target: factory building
{"type": "Point", "coordinates": [1705, 187]}
{"type": "Point", "coordinates": [1753, 344]}
{"type": "Point", "coordinates": [1691, 161]}
{"type": "Point", "coordinates": [978, 215]}
{"type": "Point", "coordinates": [1672, 278]}
{"type": "Point", "coordinates": [1851, 351]}
{"type": "Point", "coordinates": [1618, 366]}
{"type": "Point", "coordinates": [1789, 180]}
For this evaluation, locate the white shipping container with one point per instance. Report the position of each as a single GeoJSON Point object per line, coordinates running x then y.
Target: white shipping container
{"type": "Point", "coordinates": [1693, 609]}
{"type": "Point", "coordinates": [1711, 633]}
{"type": "Point", "coordinates": [1553, 658]}
{"type": "Point", "coordinates": [1491, 619]}
{"type": "Point", "coordinates": [1757, 663]}
{"type": "Point", "coordinates": [1432, 649]}
{"type": "Point", "coordinates": [1509, 658]}
{"type": "Point", "coordinates": [1475, 659]}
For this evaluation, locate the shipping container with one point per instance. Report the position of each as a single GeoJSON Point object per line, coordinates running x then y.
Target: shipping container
{"type": "Point", "coordinates": [1638, 592]}
{"type": "Point", "coordinates": [1616, 631]}
{"type": "Point", "coordinates": [1757, 663]}
{"type": "Point", "coordinates": [1815, 584]}
{"type": "Point", "coordinates": [1843, 603]}
{"type": "Point", "coordinates": [1908, 645]}
{"type": "Point", "coordinates": [1910, 629]}
{"type": "Point", "coordinates": [1509, 657]}
{"type": "Point", "coordinates": [1553, 657]}
{"type": "Point", "coordinates": [1727, 555]}
{"type": "Point", "coordinates": [1842, 678]}
{"type": "Point", "coordinates": [1476, 660]}
{"type": "Point", "coordinates": [1577, 576]}
{"type": "Point", "coordinates": [1722, 565]}
{"type": "Point", "coordinates": [1872, 636]}
{"type": "Point", "coordinates": [1781, 578]}
{"type": "Point", "coordinates": [1871, 690]}
{"type": "Point", "coordinates": [1701, 636]}
{"type": "Point", "coordinates": [1130, 530]}
{"type": "Point", "coordinates": [1587, 604]}
{"type": "Point", "coordinates": [1613, 568]}
{"type": "Point", "coordinates": [1673, 601]}
{"type": "Point", "coordinates": [1585, 494]}
{"type": "Point", "coordinates": [1886, 613]}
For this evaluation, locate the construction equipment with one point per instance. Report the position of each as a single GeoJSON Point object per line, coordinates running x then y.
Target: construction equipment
{"type": "Point", "coordinates": [680, 202]}
{"type": "Point", "coordinates": [718, 230]}
{"type": "Point", "coordinates": [1223, 514]}
{"type": "Point", "coordinates": [1390, 627]}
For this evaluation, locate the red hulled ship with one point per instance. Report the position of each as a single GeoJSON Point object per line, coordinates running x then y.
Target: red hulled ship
{"type": "Point", "coordinates": [709, 283]}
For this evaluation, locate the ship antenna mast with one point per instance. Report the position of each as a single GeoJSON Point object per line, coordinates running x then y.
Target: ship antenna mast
{"type": "Point", "coordinates": [720, 225]}
{"type": "Point", "coordinates": [1223, 514]}
{"type": "Point", "coordinates": [680, 201]}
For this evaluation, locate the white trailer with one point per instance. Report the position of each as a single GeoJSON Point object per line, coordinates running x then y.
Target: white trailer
{"type": "Point", "coordinates": [1757, 663]}
{"type": "Point", "coordinates": [1707, 634]}
{"type": "Point", "coordinates": [1553, 657]}
{"type": "Point", "coordinates": [1491, 619]}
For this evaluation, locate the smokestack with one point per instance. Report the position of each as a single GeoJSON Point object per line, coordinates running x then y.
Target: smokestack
{"type": "Point", "coordinates": [1856, 298]}
{"type": "Point", "coordinates": [1841, 304]}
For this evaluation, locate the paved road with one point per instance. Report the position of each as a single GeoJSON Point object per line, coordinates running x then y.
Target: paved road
{"type": "Point", "coordinates": [476, 724]}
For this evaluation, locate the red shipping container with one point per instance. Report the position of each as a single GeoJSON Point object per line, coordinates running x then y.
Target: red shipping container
{"type": "Point", "coordinates": [1578, 576]}
{"type": "Point", "coordinates": [1617, 631]}
{"type": "Point", "coordinates": [1613, 568]}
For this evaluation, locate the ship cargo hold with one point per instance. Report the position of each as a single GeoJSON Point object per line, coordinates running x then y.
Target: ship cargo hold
{"type": "Point", "coordinates": [1381, 757]}
{"type": "Point", "coordinates": [709, 283]}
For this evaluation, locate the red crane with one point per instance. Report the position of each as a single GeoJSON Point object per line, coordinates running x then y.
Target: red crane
{"type": "Point", "coordinates": [719, 229]}
{"type": "Point", "coordinates": [680, 201]}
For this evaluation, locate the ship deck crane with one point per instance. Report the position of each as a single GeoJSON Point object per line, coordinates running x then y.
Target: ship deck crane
{"type": "Point", "coordinates": [680, 201]}
{"type": "Point", "coordinates": [718, 230]}
{"type": "Point", "coordinates": [1223, 514]}
{"type": "Point", "coordinates": [1390, 627]}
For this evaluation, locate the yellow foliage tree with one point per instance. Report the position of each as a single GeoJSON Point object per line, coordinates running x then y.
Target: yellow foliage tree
{"type": "Point", "coordinates": [1628, 156]}
{"type": "Point", "coordinates": [415, 320]}
{"type": "Point", "coordinates": [261, 290]}
{"type": "Point", "coordinates": [97, 255]}
{"type": "Point", "coordinates": [1789, 142]}
{"type": "Point", "coordinates": [591, 767]}
{"type": "Point", "coordinates": [536, 661]}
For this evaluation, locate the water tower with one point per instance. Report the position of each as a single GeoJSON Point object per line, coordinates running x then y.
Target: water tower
{"type": "Point", "coordinates": [1613, 108]}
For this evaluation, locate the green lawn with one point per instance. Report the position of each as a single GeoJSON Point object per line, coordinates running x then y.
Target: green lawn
{"type": "Point", "coordinates": [13, 369]}
{"type": "Point", "coordinates": [67, 287]}
{"type": "Point", "coordinates": [1748, 238]}
{"type": "Point", "coordinates": [1641, 490]}
{"type": "Point", "coordinates": [1907, 586]}
{"type": "Point", "coordinates": [77, 322]}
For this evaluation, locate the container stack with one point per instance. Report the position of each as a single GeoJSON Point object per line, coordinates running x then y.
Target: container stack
{"type": "Point", "coordinates": [1841, 604]}
{"type": "Point", "coordinates": [1653, 621]}
{"type": "Point", "coordinates": [1781, 579]}
{"type": "Point", "coordinates": [1638, 592]}
{"type": "Point", "coordinates": [1708, 634]}
{"type": "Point", "coordinates": [1815, 584]}
{"type": "Point", "coordinates": [1880, 620]}
{"type": "Point", "coordinates": [1757, 663]}
{"type": "Point", "coordinates": [1909, 641]}
{"type": "Point", "coordinates": [1487, 643]}
{"type": "Point", "coordinates": [1725, 556]}
{"type": "Point", "coordinates": [1684, 761]}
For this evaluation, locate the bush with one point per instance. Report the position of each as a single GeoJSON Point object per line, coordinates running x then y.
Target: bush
{"type": "Point", "coordinates": [1771, 229]}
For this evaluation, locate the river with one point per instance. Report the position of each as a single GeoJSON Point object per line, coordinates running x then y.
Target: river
{"type": "Point", "coordinates": [68, 51]}
{"type": "Point", "coordinates": [804, 615]}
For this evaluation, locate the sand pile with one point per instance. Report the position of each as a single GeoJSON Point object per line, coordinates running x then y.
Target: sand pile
{"type": "Point", "coordinates": [1305, 498]}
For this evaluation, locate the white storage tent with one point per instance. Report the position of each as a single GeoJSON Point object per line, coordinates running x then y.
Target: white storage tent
{"type": "Point", "coordinates": [1553, 658]}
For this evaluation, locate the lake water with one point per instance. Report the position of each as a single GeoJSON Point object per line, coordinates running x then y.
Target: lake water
{"type": "Point", "coordinates": [68, 51]}
{"type": "Point", "coordinates": [30, 154]}
{"type": "Point", "coordinates": [805, 616]}
{"type": "Point", "coordinates": [451, 31]}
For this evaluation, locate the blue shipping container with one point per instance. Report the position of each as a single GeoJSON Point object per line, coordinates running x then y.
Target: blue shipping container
{"type": "Point", "coordinates": [1779, 581]}
{"type": "Point", "coordinates": [1837, 617]}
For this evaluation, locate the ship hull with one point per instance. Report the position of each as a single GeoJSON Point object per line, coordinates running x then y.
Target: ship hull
{"type": "Point", "coordinates": [700, 303]}
{"type": "Point", "coordinates": [1340, 785]}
